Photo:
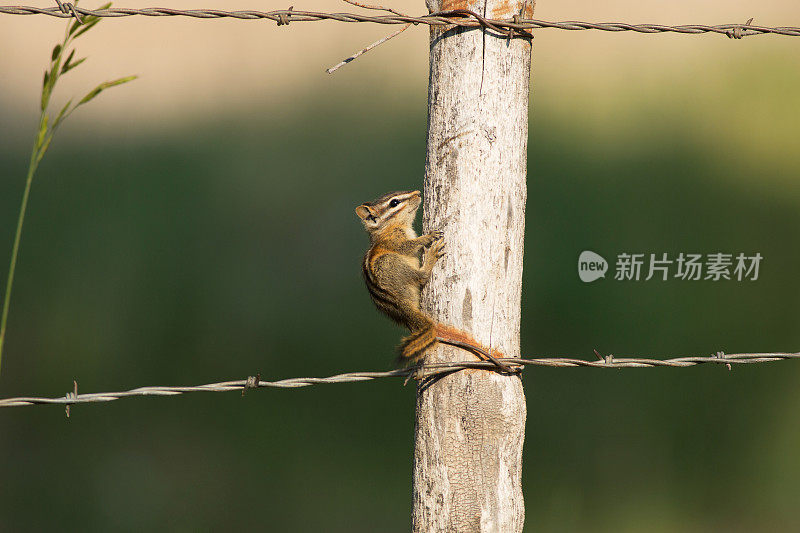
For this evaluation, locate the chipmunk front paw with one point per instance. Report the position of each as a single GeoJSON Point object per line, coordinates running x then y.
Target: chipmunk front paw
{"type": "Point", "coordinates": [437, 248]}
{"type": "Point", "coordinates": [433, 237]}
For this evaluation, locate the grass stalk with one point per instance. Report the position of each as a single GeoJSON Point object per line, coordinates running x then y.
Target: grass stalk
{"type": "Point", "coordinates": [47, 128]}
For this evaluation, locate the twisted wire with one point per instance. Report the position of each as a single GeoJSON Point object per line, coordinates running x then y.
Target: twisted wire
{"type": "Point", "coordinates": [515, 26]}
{"type": "Point", "coordinates": [423, 371]}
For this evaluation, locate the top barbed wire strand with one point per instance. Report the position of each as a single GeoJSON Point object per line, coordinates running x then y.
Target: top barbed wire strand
{"type": "Point", "coordinates": [424, 372]}
{"type": "Point", "coordinates": [460, 17]}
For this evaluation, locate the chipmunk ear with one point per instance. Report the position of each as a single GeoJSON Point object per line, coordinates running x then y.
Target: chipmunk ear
{"type": "Point", "coordinates": [364, 212]}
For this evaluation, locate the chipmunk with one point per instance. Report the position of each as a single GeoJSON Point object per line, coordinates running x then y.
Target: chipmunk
{"type": "Point", "coordinates": [396, 267]}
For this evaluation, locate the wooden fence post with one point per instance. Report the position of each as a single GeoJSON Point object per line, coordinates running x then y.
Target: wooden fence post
{"type": "Point", "coordinates": [470, 425]}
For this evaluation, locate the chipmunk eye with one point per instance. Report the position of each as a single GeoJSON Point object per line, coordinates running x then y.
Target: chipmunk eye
{"type": "Point", "coordinates": [394, 203]}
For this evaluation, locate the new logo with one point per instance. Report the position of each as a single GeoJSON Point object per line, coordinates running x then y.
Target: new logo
{"type": "Point", "coordinates": [591, 266]}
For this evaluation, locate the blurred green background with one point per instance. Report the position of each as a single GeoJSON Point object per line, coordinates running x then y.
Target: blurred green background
{"type": "Point", "coordinates": [227, 246]}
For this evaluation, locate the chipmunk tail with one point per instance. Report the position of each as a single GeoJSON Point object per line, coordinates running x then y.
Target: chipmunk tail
{"type": "Point", "coordinates": [414, 346]}
{"type": "Point", "coordinates": [423, 339]}
{"type": "Point", "coordinates": [449, 334]}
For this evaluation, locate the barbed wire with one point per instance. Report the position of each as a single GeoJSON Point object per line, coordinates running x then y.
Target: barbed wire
{"type": "Point", "coordinates": [426, 372]}
{"type": "Point", "coordinates": [516, 26]}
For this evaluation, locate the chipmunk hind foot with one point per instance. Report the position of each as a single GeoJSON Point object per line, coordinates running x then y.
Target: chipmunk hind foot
{"type": "Point", "coordinates": [414, 346]}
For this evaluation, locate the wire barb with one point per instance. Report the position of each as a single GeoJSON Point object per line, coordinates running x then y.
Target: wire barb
{"type": "Point", "coordinates": [737, 33]}
{"type": "Point", "coordinates": [428, 371]}
{"type": "Point", "coordinates": [283, 17]}
{"type": "Point", "coordinates": [721, 355]}
{"type": "Point", "coordinates": [68, 8]}
{"type": "Point", "coordinates": [251, 383]}
{"type": "Point", "coordinates": [71, 396]}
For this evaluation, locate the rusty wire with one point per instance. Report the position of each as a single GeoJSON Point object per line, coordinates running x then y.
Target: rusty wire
{"type": "Point", "coordinates": [515, 26]}
{"type": "Point", "coordinates": [424, 371]}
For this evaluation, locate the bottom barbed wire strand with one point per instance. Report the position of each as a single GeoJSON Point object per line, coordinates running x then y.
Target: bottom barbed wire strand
{"type": "Point", "coordinates": [427, 371]}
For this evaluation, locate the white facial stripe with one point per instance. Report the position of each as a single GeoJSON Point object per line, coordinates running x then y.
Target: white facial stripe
{"type": "Point", "coordinates": [393, 211]}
